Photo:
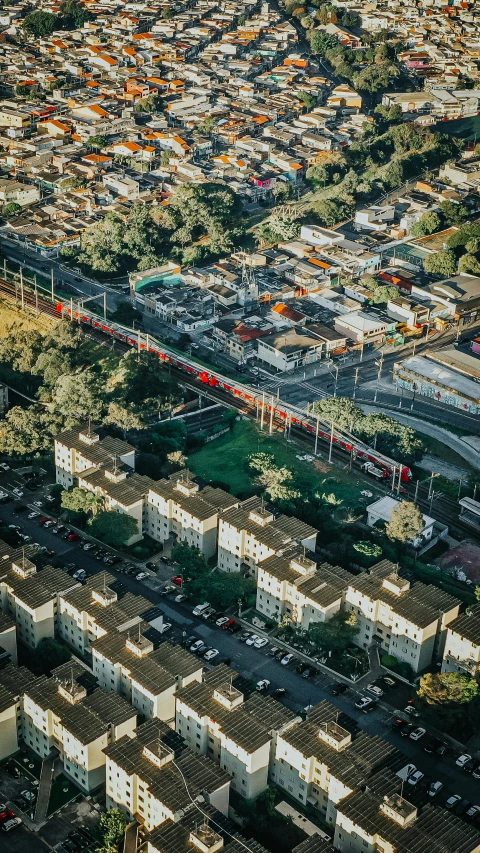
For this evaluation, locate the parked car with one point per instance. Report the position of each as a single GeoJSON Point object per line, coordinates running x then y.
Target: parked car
{"type": "Point", "coordinates": [190, 640]}
{"type": "Point", "coordinates": [262, 685]}
{"type": "Point", "coordinates": [462, 759]}
{"type": "Point", "coordinates": [141, 576]}
{"type": "Point", "coordinates": [462, 807]}
{"type": "Point", "coordinates": [222, 621]}
{"type": "Point", "coordinates": [230, 623]}
{"type": "Point", "coordinates": [73, 537]}
{"type": "Point", "coordinates": [442, 749]}
{"type": "Point", "coordinates": [278, 693]}
{"type": "Point", "coordinates": [5, 814]}
{"type": "Point", "coordinates": [452, 801]}
{"type": "Point", "coordinates": [180, 598]}
{"type": "Point", "coordinates": [196, 645]}
{"type": "Point", "coordinates": [287, 659]}
{"type": "Point", "coordinates": [280, 654]}
{"type": "Point", "coordinates": [469, 766]}
{"type": "Point", "coordinates": [177, 580]}
{"type": "Point", "coordinates": [417, 734]}
{"type": "Point", "coordinates": [388, 680]}
{"type": "Point", "coordinates": [472, 813]}
{"type": "Point", "coordinates": [4, 466]}
{"type": "Point", "coordinates": [415, 777]}
{"type": "Point", "coordinates": [244, 637]}
{"type": "Point", "coordinates": [405, 732]}
{"type": "Point", "coordinates": [411, 711]}
{"type": "Point", "coordinates": [363, 702]}
{"type": "Point", "coordinates": [28, 795]}
{"type": "Point", "coordinates": [211, 654]}
{"type": "Point", "coordinates": [338, 688]}
{"type": "Point", "coordinates": [476, 772]}
{"type": "Point", "coordinates": [376, 691]}
{"type": "Point", "coordinates": [11, 824]}
{"type": "Point", "coordinates": [200, 608]}
{"type": "Point", "coordinates": [234, 629]}
{"type": "Point", "coordinates": [261, 643]}
{"type": "Point", "coordinates": [252, 639]}
{"type": "Point", "coordinates": [431, 745]}
{"type": "Point", "coordinates": [167, 626]}
{"type": "Point", "coordinates": [434, 788]}
{"type": "Point", "coordinates": [88, 546]}
{"type": "Point", "coordinates": [203, 648]}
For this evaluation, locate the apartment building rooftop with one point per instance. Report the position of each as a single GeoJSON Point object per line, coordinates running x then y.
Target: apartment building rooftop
{"type": "Point", "coordinates": [13, 681]}
{"type": "Point", "coordinates": [110, 612]}
{"type": "Point", "coordinates": [33, 586]}
{"type": "Point", "coordinates": [467, 625]}
{"type": "Point", "coordinates": [407, 829]}
{"type": "Point", "coordinates": [273, 531]}
{"type": "Point", "coordinates": [203, 831]}
{"type": "Point", "coordinates": [125, 489]}
{"type": "Point", "coordinates": [323, 583]}
{"type": "Point", "coordinates": [86, 439]}
{"type": "Point", "coordinates": [178, 777]}
{"type": "Point", "coordinates": [199, 503]}
{"type": "Point", "coordinates": [314, 844]}
{"type": "Point", "coordinates": [85, 716]}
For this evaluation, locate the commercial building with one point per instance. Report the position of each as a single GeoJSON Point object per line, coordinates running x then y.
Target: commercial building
{"type": "Point", "coordinates": [153, 776]}
{"type": "Point", "coordinates": [249, 533]}
{"type": "Point", "coordinates": [428, 376]}
{"type": "Point", "coordinates": [238, 734]}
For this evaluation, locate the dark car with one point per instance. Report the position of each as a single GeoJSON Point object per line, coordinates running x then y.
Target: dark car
{"type": "Point", "coordinates": [234, 629]}
{"type": "Point", "coordinates": [150, 565]}
{"type": "Point", "coordinates": [469, 766]}
{"type": "Point", "coordinates": [442, 750]}
{"type": "Point", "coordinates": [398, 725]}
{"type": "Point", "coordinates": [281, 654]}
{"type": "Point", "coordinates": [432, 745]}
{"type": "Point", "coordinates": [301, 667]}
{"type": "Point", "coordinates": [190, 640]}
{"type": "Point", "coordinates": [278, 693]}
{"type": "Point", "coordinates": [245, 636]}
{"type": "Point", "coordinates": [338, 688]}
{"type": "Point", "coordinates": [462, 807]}
{"type": "Point", "coordinates": [20, 508]}
{"type": "Point", "coordinates": [406, 731]}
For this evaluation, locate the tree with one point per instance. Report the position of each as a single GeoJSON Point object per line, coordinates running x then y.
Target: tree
{"type": "Point", "coordinates": [406, 522]}
{"type": "Point", "coordinates": [342, 411]}
{"type": "Point", "coordinates": [191, 560]}
{"type": "Point", "coordinates": [73, 15]}
{"type": "Point", "coordinates": [334, 636]}
{"type": "Point", "coordinates": [81, 500]}
{"type": "Point", "coordinates": [78, 395]}
{"type": "Point", "coordinates": [383, 294]}
{"type": "Point", "coordinates": [443, 263]}
{"type": "Point", "coordinates": [470, 264]}
{"type": "Point", "coordinates": [11, 209]}
{"type": "Point", "coordinates": [273, 479]}
{"type": "Point", "coordinates": [27, 431]}
{"type": "Point", "coordinates": [151, 104]}
{"type": "Point", "coordinates": [111, 829]}
{"type": "Point", "coordinates": [98, 141]}
{"type": "Point", "coordinates": [428, 224]}
{"type": "Point", "coordinates": [375, 78]}
{"type": "Point", "coordinates": [444, 688]}
{"type": "Point", "coordinates": [330, 212]}
{"type": "Point", "coordinates": [165, 157]}
{"type": "Point", "coordinates": [453, 212]}
{"type": "Point", "coordinates": [123, 417]}
{"type": "Point", "coordinates": [40, 24]}
{"type": "Point", "coordinates": [321, 41]}
{"type": "Point", "coordinates": [308, 99]}
{"type": "Point", "coordinates": [102, 246]}
{"type": "Point", "coordinates": [318, 175]}
{"type": "Point", "coordinates": [51, 364]}
{"type": "Point", "coordinates": [113, 528]}
{"type": "Point", "coordinates": [368, 549]}
{"type": "Point", "coordinates": [284, 222]}
{"type": "Point", "coordinates": [221, 589]}
{"type": "Point", "coordinates": [74, 182]}
{"type": "Point", "coordinates": [48, 654]}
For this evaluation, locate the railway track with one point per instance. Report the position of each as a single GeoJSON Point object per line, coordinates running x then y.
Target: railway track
{"type": "Point", "coordinates": [445, 510]}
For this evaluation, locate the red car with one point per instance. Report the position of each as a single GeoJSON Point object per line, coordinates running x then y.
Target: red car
{"type": "Point", "coordinates": [43, 520]}
{"type": "Point", "coordinates": [229, 624]}
{"type": "Point", "coordinates": [73, 537]}
{"type": "Point", "coordinates": [6, 815]}
{"type": "Point", "coordinates": [177, 580]}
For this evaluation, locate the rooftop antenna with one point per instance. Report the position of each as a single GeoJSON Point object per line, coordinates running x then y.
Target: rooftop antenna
{"type": "Point", "coordinates": [89, 424]}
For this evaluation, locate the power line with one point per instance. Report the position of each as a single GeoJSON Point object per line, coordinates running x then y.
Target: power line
{"type": "Point", "coordinates": [208, 817]}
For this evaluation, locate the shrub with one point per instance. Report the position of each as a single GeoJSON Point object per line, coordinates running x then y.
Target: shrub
{"type": "Point", "coordinates": [390, 661]}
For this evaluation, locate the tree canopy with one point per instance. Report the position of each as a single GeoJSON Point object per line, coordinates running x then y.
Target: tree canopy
{"type": "Point", "coordinates": [111, 830]}
{"type": "Point", "coordinates": [406, 522]}
{"type": "Point", "coordinates": [443, 262]}
{"type": "Point", "coordinates": [113, 528]}
{"type": "Point", "coordinates": [40, 24]}
{"type": "Point", "coordinates": [335, 635]}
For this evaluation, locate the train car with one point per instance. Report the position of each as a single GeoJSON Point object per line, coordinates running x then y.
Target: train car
{"type": "Point", "coordinates": [342, 440]}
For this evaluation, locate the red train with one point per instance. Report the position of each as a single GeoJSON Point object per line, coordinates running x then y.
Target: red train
{"type": "Point", "coordinates": [254, 398]}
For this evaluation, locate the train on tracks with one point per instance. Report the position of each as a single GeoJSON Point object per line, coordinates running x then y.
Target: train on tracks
{"type": "Point", "coordinates": [321, 429]}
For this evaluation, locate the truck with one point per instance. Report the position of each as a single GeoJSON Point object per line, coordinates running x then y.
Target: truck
{"type": "Point", "coordinates": [373, 471]}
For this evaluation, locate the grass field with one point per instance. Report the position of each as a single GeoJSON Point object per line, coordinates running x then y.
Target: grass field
{"type": "Point", "coordinates": [225, 459]}
{"type": "Point", "coordinates": [10, 315]}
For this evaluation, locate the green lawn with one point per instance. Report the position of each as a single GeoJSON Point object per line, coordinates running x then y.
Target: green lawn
{"type": "Point", "coordinates": [62, 792]}
{"type": "Point", "coordinates": [225, 460]}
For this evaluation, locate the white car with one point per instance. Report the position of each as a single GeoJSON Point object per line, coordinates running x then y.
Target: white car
{"type": "Point", "coordinates": [286, 660]}
{"type": "Point", "coordinates": [252, 639]}
{"type": "Point", "coordinates": [363, 702]}
{"type": "Point", "coordinates": [88, 546]}
{"type": "Point", "coordinates": [141, 576]}
{"type": "Point", "coordinates": [377, 691]}
{"type": "Point", "coordinates": [33, 515]}
{"type": "Point", "coordinates": [434, 789]}
{"type": "Point", "coordinates": [37, 503]}
{"type": "Point", "coordinates": [462, 759]}
{"type": "Point", "coordinates": [197, 645]}
{"type": "Point", "coordinates": [261, 643]}
{"type": "Point", "coordinates": [415, 778]}
{"type": "Point", "coordinates": [18, 493]}
{"type": "Point", "coordinates": [11, 824]}
{"type": "Point", "coordinates": [4, 466]}
{"type": "Point", "coordinates": [165, 627]}
{"type": "Point", "coordinates": [417, 734]}
{"type": "Point", "coordinates": [221, 621]}
{"type": "Point", "coordinates": [264, 684]}
{"type": "Point", "coordinates": [411, 711]}
{"type": "Point", "coordinates": [179, 598]}
{"type": "Point", "coordinates": [211, 654]}
{"type": "Point", "coordinates": [452, 801]}
{"type": "Point", "coordinates": [200, 608]}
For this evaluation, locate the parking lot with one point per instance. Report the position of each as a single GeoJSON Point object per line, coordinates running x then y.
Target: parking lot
{"type": "Point", "coordinates": [253, 661]}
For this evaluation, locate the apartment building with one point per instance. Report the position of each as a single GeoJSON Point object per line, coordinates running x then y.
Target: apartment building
{"type": "Point", "coordinates": [8, 639]}
{"type": "Point", "coordinates": [324, 759]}
{"type": "Point", "coordinates": [81, 448]}
{"type": "Point", "coordinates": [147, 677]}
{"type": "Point", "coordinates": [88, 612]}
{"type": "Point", "coordinates": [462, 643]}
{"type": "Point", "coordinates": [249, 533]}
{"type": "Point", "coordinates": [178, 507]}
{"type": "Point", "coordinates": [406, 621]}
{"type": "Point", "coordinates": [291, 584]}
{"type": "Point", "coordinates": [30, 596]}
{"type": "Point", "coordinates": [385, 821]}
{"type": "Point", "coordinates": [206, 832]}
{"type": "Point", "coordinates": [238, 734]}
{"type": "Point", "coordinates": [121, 488]}
{"type": "Point", "coordinates": [13, 681]}
{"type": "Point", "coordinates": [153, 776]}
{"type": "Point", "coordinates": [60, 712]}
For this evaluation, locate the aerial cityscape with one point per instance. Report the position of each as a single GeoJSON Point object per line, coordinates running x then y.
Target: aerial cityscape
{"type": "Point", "coordinates": [240, 426]}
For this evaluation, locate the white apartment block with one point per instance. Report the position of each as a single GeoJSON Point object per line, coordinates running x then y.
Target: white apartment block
{"type": "Point", "coordinates": [8, 639]}
{"type": "Point", "coordinates": [88, 612]}
{"type": "Point", "coordinates": [13, 681]}
{"type": "Point", "coordinates": [30, 597]}
{"type": "Point", "coordinates": [153, 777]}
{"type": "Point", "coordinates": [371, 822]}
{"type": "Point", "coordinates": [322, 760]}
{"type": "Point", "coordinates": [148, 678]}
{"type": "Point", "coordinates": [291, 585]}
{"type": "Point", "coordinates": [408, 622]}
{"type": "Point", "coordinates": [237, 734]}
{"type": "Point", "coordinates": [249, 533]}
{"type": "Point", "coordinates": [462, 644]}
{"type": "Point", "coordinates": [77, 450]}
{"type": "Point", "coordinates": [59, 712]}
{"type": "Point", "coordinates": [178, 507]}
{"type": "Point", "coordinates": [191, 835]}
{"type": "Point", "coordinates": [122, 491]}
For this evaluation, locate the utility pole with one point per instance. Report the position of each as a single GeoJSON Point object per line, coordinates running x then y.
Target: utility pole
{"type": "Point", "coordinates": [416, 491]}
{"type": "Point", "coordinates": [263, 410]}
{"type": "Point", "coordinates": [380, 365]}
{"type": "Point", "coordinates": [71, 309]}
{"type": "Point", "coordinates": [399, 479]}
{"type": "Point", "coordinates": [331, 445]}
{"type": "Point", "coordinates": [272, 407]}
{"type": "Point", "coordinates": [316, 435]}
{"type": "Point", "coordinates": [459, 488]}
{"type": "Point", "coordinates": [21, 288]}
{"type": "Point", "coordinates": [36, 297]}
{"type": "Point", "coordinates": [53, 296]}
{"type": "Point", "coordinates": [336, 381]}
{"type": "Point", "coordinates": [104, 304]}
{"type": "Point", "coordinates": [355, 383]}
{"type": "Point", "coordinates": [430, 485]}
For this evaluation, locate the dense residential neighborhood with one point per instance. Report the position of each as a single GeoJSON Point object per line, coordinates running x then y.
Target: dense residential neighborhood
{"type": "Point", "coordinates": [239, 426]}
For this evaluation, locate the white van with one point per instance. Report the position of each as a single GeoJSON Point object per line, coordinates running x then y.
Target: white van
{"type": "Point", "coordinates": [201, 608]}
